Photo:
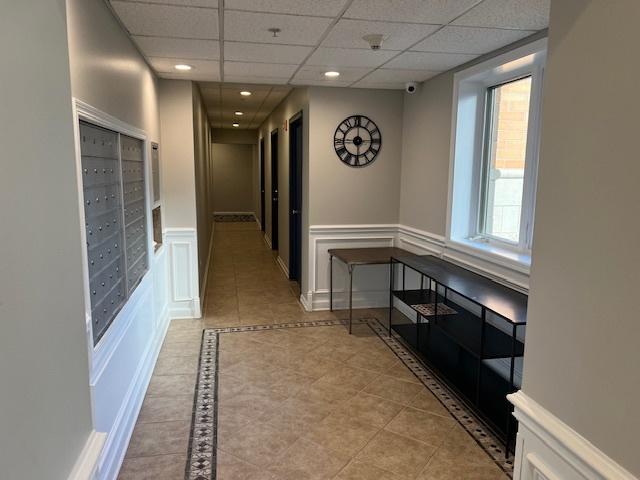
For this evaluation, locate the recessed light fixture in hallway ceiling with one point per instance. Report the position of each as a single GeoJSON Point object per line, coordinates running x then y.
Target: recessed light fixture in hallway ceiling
{"type": "Point", "coordinates": [231, 40]}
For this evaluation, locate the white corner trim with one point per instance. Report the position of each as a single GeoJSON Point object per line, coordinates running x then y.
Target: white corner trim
{"type": "Point", "coordinates": [305, 300]}
{"type": "Point", "coordinates": [207, 266]}
{"type": "Point", "coordinates": [543, 439]}
{"type": "Point", "coordinates": [267, 240]}
{"type": "Point", "coordinates": [283, 266]}
{"type": "Point", "coordinates": [184, 297]}
{"type": "Point", "coordinates": [87, 463]}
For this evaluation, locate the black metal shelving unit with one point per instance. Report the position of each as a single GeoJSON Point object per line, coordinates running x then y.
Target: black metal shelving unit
{"type": "Point", "coordinates": [477, 349]}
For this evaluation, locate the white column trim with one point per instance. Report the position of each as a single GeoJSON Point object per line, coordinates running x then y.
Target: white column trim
{"type": "Point", "coordinates": [86, 465]}
{"type": "Point", "coordinates": [548, 448]}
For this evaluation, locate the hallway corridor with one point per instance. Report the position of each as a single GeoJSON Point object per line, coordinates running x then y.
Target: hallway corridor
{"type": "Point", "coordinates": [293, 402]}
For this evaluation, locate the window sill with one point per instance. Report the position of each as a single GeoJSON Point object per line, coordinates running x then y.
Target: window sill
{"type": "Point", "coordinates": [505, 257]}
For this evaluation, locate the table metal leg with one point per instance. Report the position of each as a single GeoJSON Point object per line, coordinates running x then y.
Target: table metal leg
{"type": "Point", "coordinates": [391, 272]}
{"type": "Point", "coordinates": [350, 298]}
{"type": "Point", "coordinates": [331, 283]}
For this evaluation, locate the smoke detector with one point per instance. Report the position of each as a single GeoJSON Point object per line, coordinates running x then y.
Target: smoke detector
{"type": "Point", "coordinates": [374, 40]}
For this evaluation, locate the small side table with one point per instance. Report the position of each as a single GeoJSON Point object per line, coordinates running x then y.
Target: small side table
{"type": "Point", "coordinates": [352, 257]}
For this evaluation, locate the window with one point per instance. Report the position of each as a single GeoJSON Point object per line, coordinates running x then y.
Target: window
{"type": "Point", "coordinates": [115, 213]}
{"type": "Point", "coordinates": [495, 153]}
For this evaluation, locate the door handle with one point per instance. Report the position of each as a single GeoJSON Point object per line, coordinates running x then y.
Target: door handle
{"type": "Point", "coordinates": [295, 212]}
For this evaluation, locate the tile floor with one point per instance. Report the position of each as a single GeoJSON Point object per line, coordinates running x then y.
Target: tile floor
{"type": "Point", "coordinates": [298, 403]}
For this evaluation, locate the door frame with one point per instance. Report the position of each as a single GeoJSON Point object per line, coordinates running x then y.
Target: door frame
{"type": "Point", "coordinates": [273, 146]}
{"type": "Point", "coordinates": [296, 153]}
{"type": "Point", "coordinates": [262, 186]}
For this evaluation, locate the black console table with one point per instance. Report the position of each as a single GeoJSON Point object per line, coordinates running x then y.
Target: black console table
{"type": "Point", "coordinates": [469, 329]}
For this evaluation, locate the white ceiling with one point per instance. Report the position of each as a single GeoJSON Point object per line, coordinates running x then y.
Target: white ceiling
{"type": "Point", "coordinates": [223, 100]}
{"type": "Point", "coordinates": [228, 40]}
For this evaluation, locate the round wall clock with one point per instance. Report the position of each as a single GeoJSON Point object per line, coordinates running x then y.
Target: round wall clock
{"type": "Point", "coordinates": [357, 141]}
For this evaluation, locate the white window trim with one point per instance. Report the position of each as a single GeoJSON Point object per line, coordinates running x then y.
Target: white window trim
{"type": "Point", "coordinates": [467, 146]}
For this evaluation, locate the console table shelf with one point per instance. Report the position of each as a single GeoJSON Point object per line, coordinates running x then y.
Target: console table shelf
{"type": "Point", "coordinates": [469, 329]}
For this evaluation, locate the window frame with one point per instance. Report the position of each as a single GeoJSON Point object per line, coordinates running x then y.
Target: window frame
{"type": "Point", "coordinates": [468, 154]}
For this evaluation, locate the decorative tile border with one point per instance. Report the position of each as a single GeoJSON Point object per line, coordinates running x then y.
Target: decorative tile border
{"type": "Point", "coordinates": [201, 462]}
{"type": "Point", "coordinates": [232, 217]}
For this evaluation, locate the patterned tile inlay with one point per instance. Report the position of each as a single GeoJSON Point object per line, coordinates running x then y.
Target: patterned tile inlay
{"type": "Point", "coordinates": [201, 463]}
{"type": "Point", "coordinates": [201, 458]}
{"type": "Point", "coordinates": [234, 218]}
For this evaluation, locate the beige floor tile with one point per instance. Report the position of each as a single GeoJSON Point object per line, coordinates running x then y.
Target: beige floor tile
{"type": "Point", "coordinates": [347, 377]}
{"type": "Point", "coordinates": [362, 471]}
{"type": "Point", "coordinates": [157, 467]}
{"type": "Point", "coordinates": [420, 425]}
{"type": "Point", "coordinates": [184, 365]}
{"type": "Point", "coordinates": [440, 468]}
{"type": "Point", "coordinates": [396, 454]}
{"type": "Point", "coordinates": [180, 349]}
{"type": "Point", "coordinates": [229, 467]}
{"type": "Point", "coordinates": [159, 439]}
{"type": "Point", "coordinates": [401, 372]}
{"type": "Point", "coordinates": [171, 385]}
{"type": "Point", "coordinates": [305, 460]}
{"type": "Point", "coordinates": [370, 409]}
{"type": "Point", "coordinates": [339, 433]}
{"type": "Point", "coordinates": [166, 409]}
{"type": "Point", "coordinates": [258, 442]}
{"type": "Point", "coordinates": [427, 401]}
{"type": "Point", "coordinates": [394, 390]}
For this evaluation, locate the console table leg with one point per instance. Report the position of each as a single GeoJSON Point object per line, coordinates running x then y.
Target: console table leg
{"type": "Point", "coordinates": [331, 283]}
{"type": "Point", "coordinates": [350, 298]}
{"type": "Point", "coordinates": [391, 271]}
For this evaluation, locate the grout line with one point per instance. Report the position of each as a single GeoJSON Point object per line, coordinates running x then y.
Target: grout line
{"type": "Point", "coordinates": [333, 23]}
{"type": "Point", "coordinates": [416, 43]}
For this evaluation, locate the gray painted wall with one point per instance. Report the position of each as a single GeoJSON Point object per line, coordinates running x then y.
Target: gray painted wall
{"type": "Point", "coordinates": [45, 416]}
{"type": "Point", "coordinates": [233, 187]}
{"type": "Point", "coordinates": [583, 329]}
{"type": "Point", "coordinates": [339, 194]}
{"type": "Point", "coordinates": [177, 153]}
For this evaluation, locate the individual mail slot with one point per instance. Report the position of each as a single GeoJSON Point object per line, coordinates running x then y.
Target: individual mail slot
{"type": "Point", "coordinates": [132, 171]}
{"type": "Point", "coordinates": [131, 148]}
{"type": "Point", "coordinates": [104, 281]}
{"type": "Point", "coordinates": [98, 142]}
{"type": "Point", "coordinates": [102, 199]}
{"type": "Point", "coordinates": [99, 171]}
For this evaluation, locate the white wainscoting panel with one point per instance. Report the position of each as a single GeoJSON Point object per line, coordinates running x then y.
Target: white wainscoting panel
{"type": "Point", "coordinates": [548, 449]}
{"type": "Point", "coordinates": [123, 361]}
{"type": "Point", "coordinates": [184, 298]}
{"type": "Point", "coordinates": [371, 283]}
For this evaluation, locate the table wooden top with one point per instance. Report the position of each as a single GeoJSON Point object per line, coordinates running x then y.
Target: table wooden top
{"type": "Point", "coordinates": [368, 256]}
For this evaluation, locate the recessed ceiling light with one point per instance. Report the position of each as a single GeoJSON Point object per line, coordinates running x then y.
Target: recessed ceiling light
{"type": "Point", "coordinates": [331, 74]}
{"type": "Point", "coordinates": [245, 93]}
{"type": "Point", "coordinates": [236, 125]}
{"type": "Point", "coordinates": [182, 66]}
{"type": "Point", "coordinates": [239, 113]}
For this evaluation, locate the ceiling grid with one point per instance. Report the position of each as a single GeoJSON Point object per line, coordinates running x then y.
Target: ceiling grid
{"type": "Point", "coordinates": [228, 42]}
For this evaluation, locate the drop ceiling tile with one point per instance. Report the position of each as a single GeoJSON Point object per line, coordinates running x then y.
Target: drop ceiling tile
{"type": "Point", "coordinates": [179, 47]}
{"type": "Point", "coordinates": [265, 53]}
{"type": "Point", "coordinates": [380, 85]}
{"type": "Point", "coordinates": [255, 79]}
{"type": "Point", "coordinates": [385, 75]}
{"type": "Point", "coordinates": [397, 36]}
{"type": "Point", "coordinates": [202, 69]}
{"type": "Point", "coordinates": [234, 69]}
{"type": "Point", "coordinates": [324, 8]}
{"type": "Point", "coordinates": [412, 11]}
{"type": "Point", "coordinates": [521, 14]}
{"type": "Point", "coordinates": [186, 3]}
{"type": "Point", "coordinates": [254, 27]}
{"type": "Point", "coordinates": [436, 62]}
{"type": "Point", "coordinates": [168, 20]}
{"type": "Point", "coordinates": [469, 40]}
{"type": "Point", "coordinates": [234, 89]}
{"type": "Point", "coordinates": [316, 74]}
{"type": "Point", "coordinates": [344, 57]}
{"type": "Point", "coordinates": [321, 83]}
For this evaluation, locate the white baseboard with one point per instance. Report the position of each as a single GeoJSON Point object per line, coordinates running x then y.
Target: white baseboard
{"type": "Point", "coordinates": [361, 299]}
{"type": "Point", "coordinates": [207, 266]}
{"type": "Point", "coordinates": [283, 266]}
{"type": "Point", "coordinates": [86, 466]}
{"type": "Point", "coordinates": [267, 240]}
{"type": "Point", "coordinates": [305, 300]}
{"type": "Point", "coordinates": [548, 449]}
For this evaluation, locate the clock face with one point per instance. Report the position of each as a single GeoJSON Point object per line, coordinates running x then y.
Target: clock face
{"type": "Point", "coordinates": [357, 141]}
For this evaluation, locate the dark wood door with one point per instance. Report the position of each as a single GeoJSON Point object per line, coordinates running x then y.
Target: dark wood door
{"type": "Point", "coordinates": [295, 198]}
{"type": "Point", "coordinates": [262, 197]}
{"type": "Point", "coordinates": [274, 190]}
